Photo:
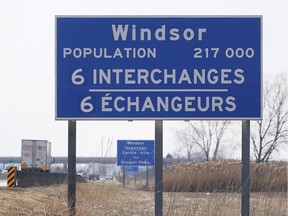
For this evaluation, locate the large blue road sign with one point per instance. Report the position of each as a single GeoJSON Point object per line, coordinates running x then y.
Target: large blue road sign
{"type": "Point", "coordinates": [135, 152]}
{"type": "Point", "coordinates": [158, 67]}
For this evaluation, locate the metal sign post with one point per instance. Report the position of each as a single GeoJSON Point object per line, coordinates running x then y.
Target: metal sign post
{"type": "Point", "coordinates": [245, 168]}
{"type": "Point", "coordinates": [124, 175]}
{"type": "Point", "coordinates": [158, 168]}
{"type": "Point", "coordinates": [72, 167]}
{"type": "Point", "coordinates": [147, 177]}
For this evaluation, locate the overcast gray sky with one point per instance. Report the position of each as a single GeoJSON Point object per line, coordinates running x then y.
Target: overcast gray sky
{"type": "Point", "coordinates": [27, 61]}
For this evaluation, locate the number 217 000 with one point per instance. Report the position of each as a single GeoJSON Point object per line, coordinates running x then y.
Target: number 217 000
{"type": "Point", "coordinates": [229, 53]}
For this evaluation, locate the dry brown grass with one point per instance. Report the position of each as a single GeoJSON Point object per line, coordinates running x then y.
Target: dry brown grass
{"type": "Point", "coordinates": [95, 198]}
{"type": "Point", "coordinates": [104, 198]}
{"type": "Point", "coordinates": [224, 176]}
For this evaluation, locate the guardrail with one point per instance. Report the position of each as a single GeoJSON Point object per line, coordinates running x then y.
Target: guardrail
{"type": "Point", "coordinates": [29, 179]}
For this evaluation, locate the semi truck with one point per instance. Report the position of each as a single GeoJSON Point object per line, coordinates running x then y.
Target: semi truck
{"type": "Point", "coordinates": [36, 155]}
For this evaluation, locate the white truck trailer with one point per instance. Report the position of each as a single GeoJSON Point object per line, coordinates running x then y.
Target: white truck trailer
{"type": "Point", "coordinates": [36, 155]}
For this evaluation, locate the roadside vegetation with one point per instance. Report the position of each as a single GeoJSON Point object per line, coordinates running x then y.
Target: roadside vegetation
{"type": "Point", "coordinates": [203, 189]}
{"type": "Point", "coordinates": [224, 176]}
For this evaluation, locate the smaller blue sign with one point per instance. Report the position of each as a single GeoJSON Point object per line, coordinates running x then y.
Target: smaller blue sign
{"type": "Point", "coordinates": [132, 169]}
{"type": "Point", "coordinates": [135, 152]}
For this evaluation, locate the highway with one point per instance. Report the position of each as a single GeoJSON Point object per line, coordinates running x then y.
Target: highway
{"type": "Point", "coordinates": [82, 160]}
{"type": "Point", "coordinates": [64, 160]}
{"type": "Point", "coordinates": [3, 183]}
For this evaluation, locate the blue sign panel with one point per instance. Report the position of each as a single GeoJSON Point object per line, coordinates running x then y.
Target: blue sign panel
{"type": "Point", "coordinates": [132, 169]}
{"type": "Point", "coordinates": [135, 152]}
{"type": "Point", "coordinates": [158, 67]}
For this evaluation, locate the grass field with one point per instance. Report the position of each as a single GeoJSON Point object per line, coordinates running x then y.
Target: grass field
{"type": "Point", "coordinates": [109, 198]}
{"type": "Point", "coordinates": [224, 176]}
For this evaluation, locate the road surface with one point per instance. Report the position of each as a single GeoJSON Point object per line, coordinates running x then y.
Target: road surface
{"type": "Point", "coordinates": [3, 183]}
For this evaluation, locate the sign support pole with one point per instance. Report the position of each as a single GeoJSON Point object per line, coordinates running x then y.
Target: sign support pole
{"type": "Point", "coordinates": [147, 177]}
{"type": "Point", "coordinates": [124, 175]}
{"type": "Point", "coordinates": [158, 167]}
{"type": "Point", "coordinates": [135, 179]}
{"type": "Point", "coordinates": [72, 167]}
{"type": "Point", "coordinates": [245, 205]}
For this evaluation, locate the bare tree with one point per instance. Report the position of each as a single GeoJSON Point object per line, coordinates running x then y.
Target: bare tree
{"type": "Point", "coordinates": [270, 134]}
{"type": "Point", "coordinates": [205, 135]}
{"type": "Point", "coordinates": [202, 136]}
{"type": "Point", "coordinates": [220, 128]}
{"type": "Point", "coordinates": [208, 135]}
{"type": "Point", "coordinates": [185, 142]}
